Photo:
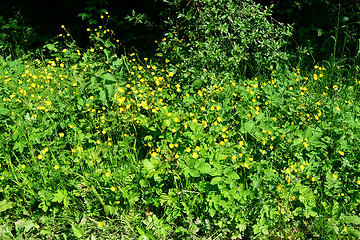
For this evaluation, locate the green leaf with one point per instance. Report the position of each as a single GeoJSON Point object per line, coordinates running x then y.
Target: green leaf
{"type": "Point", "coordinates": [4, 111]}
{"type": "Point", "coordinates": [118, 62]}
{"type": "Point", "coordinates": [108, 78]}
{"type": "Point", "coordinates": [109, 210]}
{"type": "Point", "coordinates": [204, 167]}
{"type": "Point", "coordinates": [24, 224]}
{"type": "Point", "coordinates": [189, 100]}
{"type": "Point", "coordinates": [5, 205]}
{"type": "Point", "coordinates": [194, 173]}
{"type": "Point", "coordinates": [216, 180]}
{"type": "Point", "coordinates": [103, 97]}
{"type": "Point", "coordinates": [352, 219]}
{"type": "Point", "coordinates": [78, 231]}
{"type": "Point", "coordinates": [269, 173]}
{"type": "Point", "coordinates": [248, 126]}
{"type": "Point", "coordinates": [234, 175]}
{"type": "Point", "coordinates": [354, 232]}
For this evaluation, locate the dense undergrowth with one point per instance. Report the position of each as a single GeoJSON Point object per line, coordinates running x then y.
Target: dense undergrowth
{"type": "Point", "coordinates": [182, 145]}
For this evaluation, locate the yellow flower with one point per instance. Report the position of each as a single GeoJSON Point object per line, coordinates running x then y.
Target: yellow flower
{"type": "Point", "coordinates": [40, 156]}
{"type": "Point", "coordinates": [71, 126]}
{"type": "Point", "coordinates": [113, 189]}
{"type": "Point", "coordinates": [246, 165]}
{"type": "Point", "coordinates": [188, 149]}
{"type": "Point", "coordinates": [100, 224]}
{"type": "Point", "coordinates": [335, 176]}
{"type": "Point", "coordinates": [197, 148]}
{"type": "Point", "coordinates": [176, 119]}
{"type": "Point", "coordinates": [171, 145]}
{"type": "Point", "coordinates": [56, 167]}
{"type": "Point", "coordinates": [341, 153]}
{"type": "Point", "coordinates": [195, 155]}
{"type": "Point", "coordinates": [306, 144]}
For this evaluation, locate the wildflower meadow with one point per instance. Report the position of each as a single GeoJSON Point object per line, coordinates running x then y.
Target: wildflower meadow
{"type": "Point", "coordinates": [220, 134]}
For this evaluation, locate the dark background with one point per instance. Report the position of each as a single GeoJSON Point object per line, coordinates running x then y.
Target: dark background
{"type": "Point", "coordinates": [32, 24]}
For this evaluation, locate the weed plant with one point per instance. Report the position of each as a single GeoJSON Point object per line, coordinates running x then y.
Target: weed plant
{"type": "Point", "coordinates": [96, 145]}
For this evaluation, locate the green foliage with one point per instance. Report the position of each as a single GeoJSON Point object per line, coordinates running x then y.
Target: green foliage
{"type": "Point", "coordinates": [225, 35]}
{"type": "Point", "coordinates": [97, 144]}
{"type": "Point", "coordinates": [15, 37]}
{"type": "Point", "coordinates": [326, 28]}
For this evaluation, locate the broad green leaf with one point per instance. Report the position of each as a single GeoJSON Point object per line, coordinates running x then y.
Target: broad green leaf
{"type": "Point", "coordinates": [194, 173]}
{"type": "Point", "coordinates": [103, 97]}
{"type": "Point", "coordinates": [352, 219]}
{"type": "Point", "coordinates": [204, 167]}
{"type": "Point", "coordinates": [234, 175]}
{"type": "Point", "coordinates": [118, 62]}
{"type": "Point", "coordinates": [108, 210]}
{"type": "Point", "coordinates": [109, 78]}
{"type": "Point", "coordinates": [189, 100]}
{"type": "Point", "coordinates": [24, 224]}
{"type": "Point", "coordinates": [216, 180]}
{"type": "Point", "coordinates": [4, 111]}
{"type": "Point", "coordinates": [269, 173]}
{"type": "Point", "coordinates": [353, 232]}
{"type": "Point", "coordinates": [248, 126]}
{"type": "Point", "coordinates": [78, 231]}
{"type": "Point", "coordinates": [5, 205]}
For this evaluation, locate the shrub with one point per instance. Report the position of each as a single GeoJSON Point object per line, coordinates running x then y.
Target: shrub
{"type": "Point", "coordinates": [226, 35]}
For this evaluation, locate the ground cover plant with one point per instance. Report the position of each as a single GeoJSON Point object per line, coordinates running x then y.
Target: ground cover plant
{"type": "Point", "coordinates": [187, 144]}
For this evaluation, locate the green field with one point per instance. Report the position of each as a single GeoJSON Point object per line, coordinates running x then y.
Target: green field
{"type": "Point", "coordinates": [195, 142]}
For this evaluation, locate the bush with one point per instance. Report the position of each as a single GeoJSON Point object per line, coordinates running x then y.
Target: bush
{"type": "Point", "coordinates": [227, 35]}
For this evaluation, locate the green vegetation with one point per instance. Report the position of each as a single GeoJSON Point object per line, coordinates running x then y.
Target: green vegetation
{"type": "Point", "coordinates": [223, 134]}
